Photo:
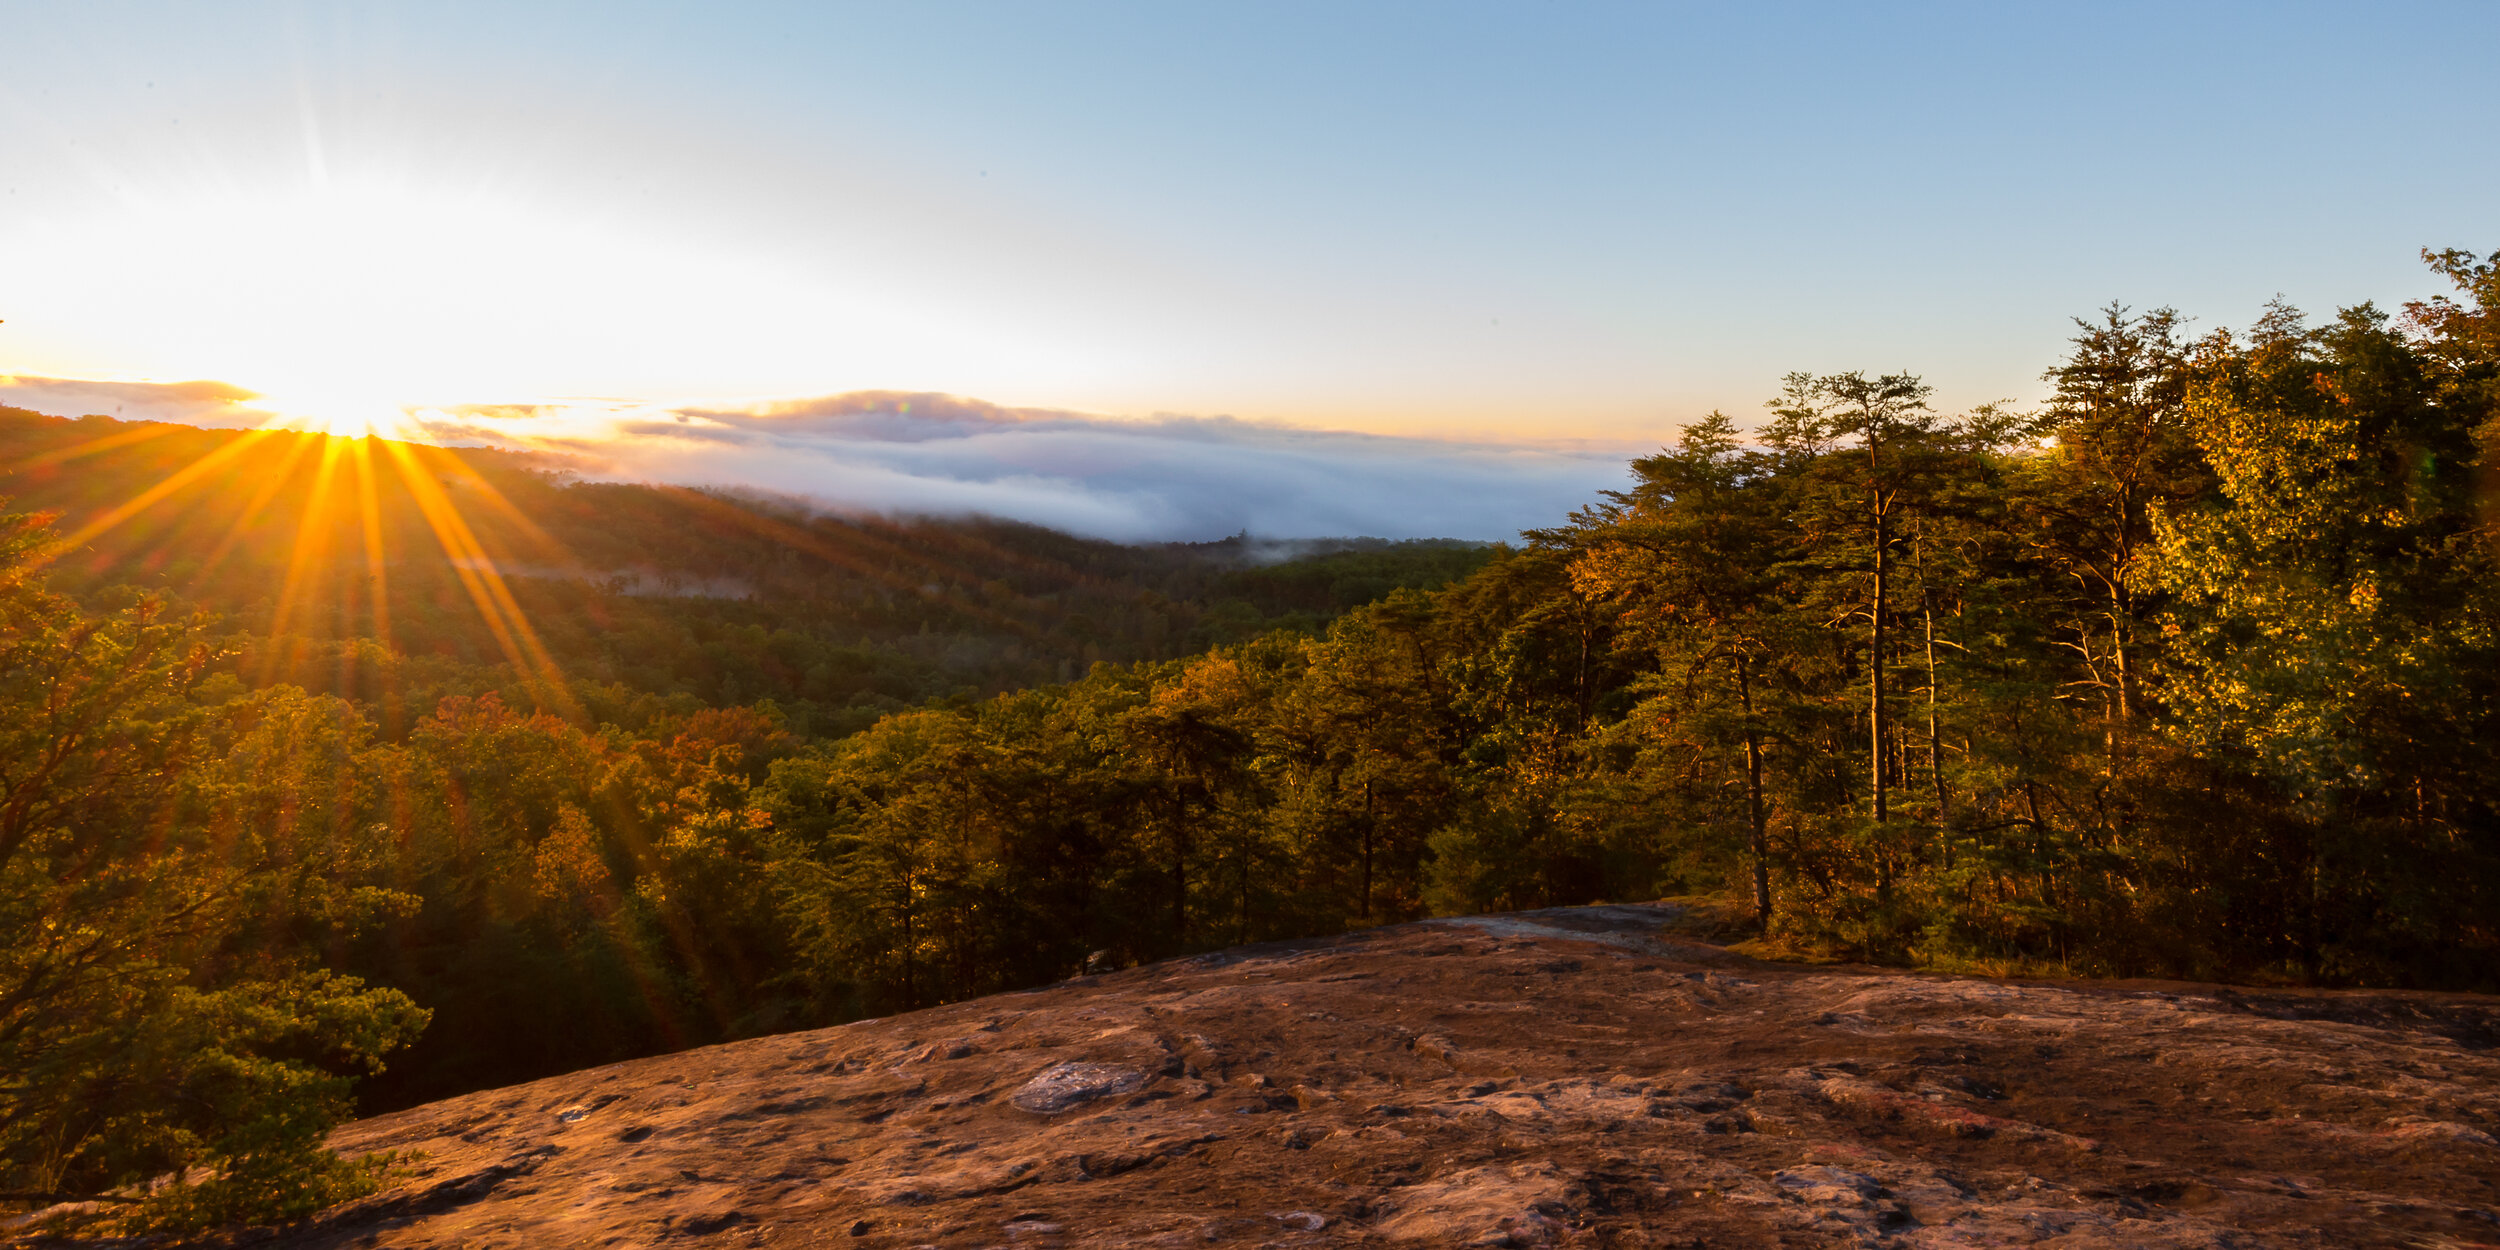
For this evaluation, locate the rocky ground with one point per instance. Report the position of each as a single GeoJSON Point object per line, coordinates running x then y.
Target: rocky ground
{"type": "Point", "coordinates": [1570, 1077]}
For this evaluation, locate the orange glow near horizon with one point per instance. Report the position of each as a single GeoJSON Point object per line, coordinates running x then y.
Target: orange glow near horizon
{"type": "Point", "coordinates": [330, 584]}
{"type": "Point", "coordinates": [346, 483]}
{"type": "Point", "coordinates": [176, 481]}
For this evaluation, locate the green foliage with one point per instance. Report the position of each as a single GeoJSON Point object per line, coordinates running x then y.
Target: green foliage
{"type": "Point", "coordinates": [149, 1021]}
{"type": "Point", "coordinates": [2334, 626]}
{"type": "Point", "coordinates": [256, 1122]}
{"type": "Point", "coordinates": [272, 1186]}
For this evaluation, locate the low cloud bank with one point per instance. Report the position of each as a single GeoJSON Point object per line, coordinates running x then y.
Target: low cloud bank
{"type": "Point", "coordinates": [1170, 478]}
{"type": "Point", "coordinates": [1166, 479]}
{"type": "Point", "coordinates": [216, 405]}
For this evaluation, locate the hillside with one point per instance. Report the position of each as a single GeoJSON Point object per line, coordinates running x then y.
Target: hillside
{"type": "Point", "coordinates": [456, 714]}
{"type": "Point", "coordinates": [1567, 1077]}
{"type": "Point", "coordinates": [403, 572]}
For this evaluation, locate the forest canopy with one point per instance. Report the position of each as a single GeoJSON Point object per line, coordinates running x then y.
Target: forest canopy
{"type": "Point", "coordinates": [2193, 671]}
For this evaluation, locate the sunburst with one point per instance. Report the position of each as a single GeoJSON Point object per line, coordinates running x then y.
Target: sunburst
{"type": "Point", "coordinates": [348, 479]}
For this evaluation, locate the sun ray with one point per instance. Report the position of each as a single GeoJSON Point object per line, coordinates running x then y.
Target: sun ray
{"type": "Point", "coordinates": [271, 483]}
{"type": "Point", "coordinates": [452, 533]}
{"type": "Point", "coordinates": [148, 498]}
{"type": "Point", "coordinates": [93, 446]}
{"type": "Point", "coordinates": [480, 577]}
{"type": "Point", "coordinates": [313, 530]}
{"type": "Point", "coordinates": [451, 464]}
{"type": "Point", "coordinates": [377, 584]}
{"type": "Point", "coordinates": [377, 556]}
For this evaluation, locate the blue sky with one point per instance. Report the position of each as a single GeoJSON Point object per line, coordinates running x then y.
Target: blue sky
{"type": "Point", "coordinates": [1564, 228]}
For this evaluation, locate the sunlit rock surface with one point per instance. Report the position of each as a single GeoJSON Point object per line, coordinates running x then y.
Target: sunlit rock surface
{"type": "Point", "coordinates": [1569, 1077]}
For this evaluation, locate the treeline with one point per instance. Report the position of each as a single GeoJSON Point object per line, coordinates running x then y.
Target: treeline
{"type": "Point", "coordinates": [2193, 672]}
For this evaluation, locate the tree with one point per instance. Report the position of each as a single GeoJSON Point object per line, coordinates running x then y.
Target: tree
{"type": "Point", "coordinates": [128, 1046]}
{"type": "Point", "coordinates": [1186, 737]}
{"type": "Point", "coordinates": [2336, 620]}
{"type": "Point", "coordinates": [1360, 748]}
{"type": "Point", "coordinates": [1865, 450]}
{"type": "Point", "coordinates": [2460, 342]}
{"type": "Point", "coordinates": [2119, 449]}
{"type": "Point", "coordinates": [1688, 557]}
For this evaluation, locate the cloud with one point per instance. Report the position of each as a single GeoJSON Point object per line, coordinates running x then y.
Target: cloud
{"type": "Point", "coordinates": [503, 412]}
{"type": "Point", "coordinates": [1168, 478]}
{"type": "Point", "coordinates": [218, 405]}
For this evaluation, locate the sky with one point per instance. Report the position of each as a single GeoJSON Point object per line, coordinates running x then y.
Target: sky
{"type": "Point", "coordinates": [1297, 268]}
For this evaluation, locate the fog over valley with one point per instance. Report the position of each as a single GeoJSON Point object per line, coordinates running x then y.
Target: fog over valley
{"type": "Point", "coordinates": [1162, 479]}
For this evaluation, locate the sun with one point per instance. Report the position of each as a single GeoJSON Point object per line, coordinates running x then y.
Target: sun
{"type": "Point", "coordinates": [360, 297]}
{"type": "Point", "coordinates": [353, 302]}
{"type": "Point", "coordinates": [341, 407]}
{"type": "Point", "coordinates": [347, 306]}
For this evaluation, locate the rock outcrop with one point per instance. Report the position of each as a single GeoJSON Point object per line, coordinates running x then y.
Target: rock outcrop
{"type": "Point", "coordinates": [1570, 1077]}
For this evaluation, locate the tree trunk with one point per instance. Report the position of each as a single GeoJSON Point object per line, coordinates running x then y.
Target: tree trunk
{"type": "Point", "coordinates": [1580, 692]}
{"type": "Point", "coordinates": [911, 992]}
{"type": "Point", "coordinates": [1935, 735]}
{"type": "Point", "coordinates": [2122, 608]}
{"type": "Point", "coordinates": [1241, 928]}
{"type": "Point", "coordinates": [1365, 911]}
{"type": "Point", "coordinates": [1758, 827]}
{"type": "Point", "coordinates": [1180, 868]}
{"type": "Point", "coordinates": [2122, 707]}
{"type": "Point", "coordinates": [1875, 670]}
